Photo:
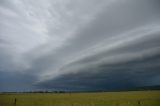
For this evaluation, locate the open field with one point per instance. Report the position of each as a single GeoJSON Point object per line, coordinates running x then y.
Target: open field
{"type": "Point", "coordinates": [131, 98]}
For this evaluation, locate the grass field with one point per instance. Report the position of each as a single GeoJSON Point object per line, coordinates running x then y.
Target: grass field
{"type": "Point", "coordinates": [146, 98]}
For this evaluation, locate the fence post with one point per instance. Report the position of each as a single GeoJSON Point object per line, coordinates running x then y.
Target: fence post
{"type": "Point", "coordinates": [15, 101]}
{"type": "Point", "coordinates": [139, 103]}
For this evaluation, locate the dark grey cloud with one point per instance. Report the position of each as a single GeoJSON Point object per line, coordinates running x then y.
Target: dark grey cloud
{"type": "Point", "coordinates": [80, 44]}
{"type": "Point", "coordinates": [13, 81]}
{"type": "Point", "coordinates": [140, 72]}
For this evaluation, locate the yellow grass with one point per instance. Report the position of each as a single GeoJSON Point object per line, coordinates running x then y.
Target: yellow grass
{"type": "Point", "coordinates": [146, 98]}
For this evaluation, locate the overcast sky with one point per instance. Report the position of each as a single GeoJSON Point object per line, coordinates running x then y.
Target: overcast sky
{"type": "Point", "coordinates": [79, 44]}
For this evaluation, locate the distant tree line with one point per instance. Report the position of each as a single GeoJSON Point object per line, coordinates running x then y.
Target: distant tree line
{"type": "Point", "coordinates": [144, 88]}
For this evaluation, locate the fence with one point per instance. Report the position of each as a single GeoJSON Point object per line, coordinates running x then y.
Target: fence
{"type": "Point", "coordinates": [138, 104]}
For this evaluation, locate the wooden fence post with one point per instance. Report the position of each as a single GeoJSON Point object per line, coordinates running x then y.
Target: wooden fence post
{"type": "Point", "coordinates": [15, 101]}
{"type": "Point", "coordinates": [139, 103]}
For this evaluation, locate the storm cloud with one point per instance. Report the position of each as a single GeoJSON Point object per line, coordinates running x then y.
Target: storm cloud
{"type": "Point", "coordinates": [79, 45]}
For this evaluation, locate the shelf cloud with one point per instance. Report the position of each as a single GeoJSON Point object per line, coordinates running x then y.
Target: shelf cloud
{"type": "Point", "coordinates": [79, 45]}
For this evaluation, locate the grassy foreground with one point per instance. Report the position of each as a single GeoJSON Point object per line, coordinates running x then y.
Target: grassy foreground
{"type": "Point", "coordinates": [131, 98]}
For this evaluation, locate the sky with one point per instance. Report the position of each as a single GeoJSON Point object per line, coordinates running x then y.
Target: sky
{"type": "Point", "coordinates": [79, 44]}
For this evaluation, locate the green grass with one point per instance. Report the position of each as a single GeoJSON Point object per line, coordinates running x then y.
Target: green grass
{"type": "Point", "coordinates": [131, 98]}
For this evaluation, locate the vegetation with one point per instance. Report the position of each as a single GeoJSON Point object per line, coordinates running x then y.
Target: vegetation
{"type": "Point", "coordinates": [130, 98]}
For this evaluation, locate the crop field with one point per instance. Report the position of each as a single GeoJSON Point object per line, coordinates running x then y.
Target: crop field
{"type": "Point", "coordinates": [130, 98]}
